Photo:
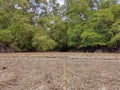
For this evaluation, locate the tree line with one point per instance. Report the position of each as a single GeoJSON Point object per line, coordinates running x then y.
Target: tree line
{"type": "Point", "coordinates": [47, 25]}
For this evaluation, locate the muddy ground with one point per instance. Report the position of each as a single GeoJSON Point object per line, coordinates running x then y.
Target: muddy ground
{"type": "Point", "coordinates": [55, 71]}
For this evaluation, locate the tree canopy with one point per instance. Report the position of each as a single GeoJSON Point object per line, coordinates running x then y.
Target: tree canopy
{"type": "Point", "coordinates": [47, 25]}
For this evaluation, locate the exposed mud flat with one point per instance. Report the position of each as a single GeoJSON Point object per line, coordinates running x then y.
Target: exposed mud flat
{"type": "Point", "coordinates": [45, 71]}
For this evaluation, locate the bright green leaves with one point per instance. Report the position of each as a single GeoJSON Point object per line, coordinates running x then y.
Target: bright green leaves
{"type": "Point", "coordinates": [113, 41]}
{"type": "Point", "coordinates": [77, 14]}
{"type": "Point", "coordinates": [41, 40]}
{"type": "Point", "coordinates": [43, 43]}
{"type": "Point", "coordinates": [115, 9]}
{"type": "Point", "coordinates": [102, 20]}
{"type": "Point", "coordinates": [42, 26]}
{"type": "Point", "coordinates": [77, 11]}
{"type": "Point", "coordinates": [5, 37]}
{"type": "Point", "coordinates": [58, 32]}
{"type": "Point", "coordinates": [4, 20]}
{"type": "Point", "coordinates": [115, 33]}
{"type": "Point", "coordinates": [97, 31]}
{"type": "Point", "coordinates": [106, 3]}
{"type": "Point", "coordinates": [43, 22]}
{"type": "Point", "coordinates": [29, 38]}
{"type": "Point", "coordinates": [22, 37]}
{"type": "Point", "coordinates": [116, 27]}
{"type": "Point", "coordinates": [74, 36]}
{"type": "Point", "coordinates": [91, 38]}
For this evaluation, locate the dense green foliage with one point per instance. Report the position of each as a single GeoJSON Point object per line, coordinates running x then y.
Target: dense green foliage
{"type": "Point", "coordinates": [45, 25]}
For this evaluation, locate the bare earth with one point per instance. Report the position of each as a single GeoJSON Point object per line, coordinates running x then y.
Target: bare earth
{"type": "Point", "coordinates": [50, 71]}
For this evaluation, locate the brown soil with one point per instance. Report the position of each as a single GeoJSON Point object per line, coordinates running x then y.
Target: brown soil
{"type": "Point", "coordinates": [50, 71]}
